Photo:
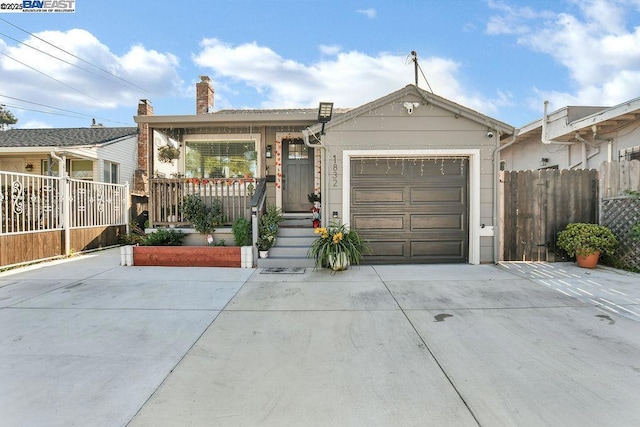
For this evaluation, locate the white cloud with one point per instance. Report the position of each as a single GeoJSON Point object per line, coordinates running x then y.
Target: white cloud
{"type": "Point", "coordinates": [593, 42]}
{"type": "Point", "coordinates": [369, 13]}
{"type": "Point", "coordinates": [330, 50]}
{"type": "Point", "coordinates": [349, 79]}
{"type": "Point", "coordinates": [79, 85]}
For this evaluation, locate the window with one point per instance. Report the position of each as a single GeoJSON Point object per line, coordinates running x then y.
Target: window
{"type": "Point", "coordinates": [111, 172]}
{"type": "Point", "coordinates": [81, 169]}
{"type": "Point", "coordinates": [45, 168]}
{"type": "Point", "coordinates": [78, 169]}
{"type": "Point", "coordinates": [630, 153]}
{"type": "Point", "coordinates": [297, 150]}
{"type": "Point", "coordinates": [220, 159]}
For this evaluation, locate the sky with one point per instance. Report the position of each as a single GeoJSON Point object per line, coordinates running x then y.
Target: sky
{"type": "Point", "coordinates": [503, 58]}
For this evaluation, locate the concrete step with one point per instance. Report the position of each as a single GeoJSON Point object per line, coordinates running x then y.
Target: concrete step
{"type": "Point", "coordinates": [289, 251]}
{"type": "Point", "coordinates": [305, 241]}
{"type": "Point", "coordinates": [296, 232]}
{"type": "Point", "coordinates": [285, 262]}
{"type": "Point", "coordinates": [293, 241]}
{"type": "Point", "coordinates": [297, 222]}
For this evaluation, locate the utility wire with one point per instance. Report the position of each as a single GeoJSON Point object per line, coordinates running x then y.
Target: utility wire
{"type": "Point", "coordinates": [54, 57]}
{"type": "Point", "coordinates": [77, 57]}
{"type": "Point", "coordinates": [75, 113]}
{"type": "Point", "coordinates": [52, 78]}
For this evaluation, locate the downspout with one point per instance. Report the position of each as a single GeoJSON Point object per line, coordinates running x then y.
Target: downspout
{"type": "Point", "coordinates": [323, 161]}
{"type": "Point", "coordinates": [64, 182]}
{"type": "Point", "coordinates": [496, 194]}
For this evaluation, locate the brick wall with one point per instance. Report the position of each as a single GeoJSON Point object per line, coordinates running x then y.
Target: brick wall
{"type": "Point", "coordinates": [141, 178]}
{"type": "Point", "coordinates": [204, 95]}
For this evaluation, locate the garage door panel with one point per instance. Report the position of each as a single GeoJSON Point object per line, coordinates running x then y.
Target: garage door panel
{"type": "Point", "coordinates": [392, 223]}
{"type": "Point", "coordinates": [424, 195]}
{"type": "Point", "coordinates": [421, 222]}
{"type": "Point", "coordinates": [377, 195]}
{"type": "Point", "coordinates": [442, 249]}
{"type": "Point", "coordinates": [387, 248]}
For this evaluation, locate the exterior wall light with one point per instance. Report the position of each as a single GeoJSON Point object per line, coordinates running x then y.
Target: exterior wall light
{"type": "Point", "coordinates": [325, 112]}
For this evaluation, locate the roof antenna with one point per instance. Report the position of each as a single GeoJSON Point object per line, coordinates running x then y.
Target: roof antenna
{"type": "Point", "coordinates": [416, 67]}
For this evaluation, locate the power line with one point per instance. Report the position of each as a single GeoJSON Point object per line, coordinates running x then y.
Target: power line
{"type": "Point", "coordinates": [75, 56]}
{"type": "Point", "coordinates": [53, 56]}
{"type": "Point", "coordinates": [52, 78]}
{"type": "Point", "coordinates": [76, 114]}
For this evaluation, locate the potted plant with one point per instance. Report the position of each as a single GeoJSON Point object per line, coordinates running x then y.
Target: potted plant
{"type": "Point", "coordinates": [168, 153]}
{"type": "Point", "coordinates": [314, 199]}
{"type": "Point", "coordinates": [337, 246]}
{"type": "Point", "coordinates": [587, 242]}
{"type": "Point", "coordinates": [268, 229]}
{"type": "Point", "coordinates": [264, 244]}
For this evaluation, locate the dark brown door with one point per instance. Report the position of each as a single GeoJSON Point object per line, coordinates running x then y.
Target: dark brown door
{"type": "Point", "coordinates": [411, 210]}
{"type": "Point", "coordinates": [297, 180]}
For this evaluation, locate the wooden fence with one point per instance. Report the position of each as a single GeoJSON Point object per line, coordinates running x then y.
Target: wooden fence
{"type": "Point", "coordinates": [538, 204]}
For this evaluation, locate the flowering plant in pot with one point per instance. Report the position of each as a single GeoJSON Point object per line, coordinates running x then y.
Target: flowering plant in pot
{"type": "Point", "coordinates": [584, 240]}
{"type": "Point", "coordinates": [337, 246]}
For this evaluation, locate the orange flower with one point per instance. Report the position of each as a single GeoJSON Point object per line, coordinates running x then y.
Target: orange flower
{"type": "Point", "coordinates": [337, 237]}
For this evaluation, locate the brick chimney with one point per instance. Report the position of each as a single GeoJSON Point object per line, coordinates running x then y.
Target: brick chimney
{"type": "Point", "coordinates": [204, 96]}
{"type": "Point", "coordinates": [141, 178]}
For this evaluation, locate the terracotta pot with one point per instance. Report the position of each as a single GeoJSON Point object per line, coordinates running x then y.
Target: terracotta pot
{"type": "Point", "coordinates": [589, 261]}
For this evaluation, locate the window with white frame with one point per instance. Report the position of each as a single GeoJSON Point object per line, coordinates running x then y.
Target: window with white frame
{"type": "Point", "coordinates": [220, 158]}
{"type": "Point", "coordinates": [81, 169]}
{"type": "Point", "coordinates": [111, 172]}
{"type": "Point", "coordinates": [77, 168]}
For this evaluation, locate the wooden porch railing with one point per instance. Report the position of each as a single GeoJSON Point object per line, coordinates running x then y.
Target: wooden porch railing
{"type": "Point", "coordinates": [166, 196]}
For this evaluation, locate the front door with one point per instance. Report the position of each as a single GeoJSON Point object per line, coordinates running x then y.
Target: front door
{"type": "Point", "coordinates": [297, 175]}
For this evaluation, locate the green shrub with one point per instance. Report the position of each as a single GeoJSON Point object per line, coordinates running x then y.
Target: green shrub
{"type": "Point", "coordinates": [203, 218]}
{"type": "Point", "coordinates": [585, 239]}
{"type": "Point", "coordinates": [241, 229]}
{"type": "Point", "coordinates": [164, 237]}
{"type": "Point", "coordinates": [268, 227]}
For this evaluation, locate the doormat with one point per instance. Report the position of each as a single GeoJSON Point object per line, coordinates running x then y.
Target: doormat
{"type": "Point", "coordinates": [283, 270]}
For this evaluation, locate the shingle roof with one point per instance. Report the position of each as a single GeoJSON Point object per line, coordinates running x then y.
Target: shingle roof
{"type": "Point", "coordinates": [67, 137]}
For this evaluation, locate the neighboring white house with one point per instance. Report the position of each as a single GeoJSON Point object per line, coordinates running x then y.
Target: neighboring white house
{"type": "Point", "coordinates": [576, 137]}
{"type": "Point", "coordinates": [96, 153]}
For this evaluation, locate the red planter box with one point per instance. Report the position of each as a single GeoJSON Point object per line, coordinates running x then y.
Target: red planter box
{"type": "Point", "coordinates": [187, 256]}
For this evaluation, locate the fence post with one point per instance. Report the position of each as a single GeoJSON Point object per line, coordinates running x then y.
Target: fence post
{"type": "Point", "coordinates": [127, 207]}
{"type": "Point", "coordinates": [66, 213]}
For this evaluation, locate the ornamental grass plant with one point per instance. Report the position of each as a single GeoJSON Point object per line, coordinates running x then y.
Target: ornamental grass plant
{"type": "Point", "coordinates": [336, 241]}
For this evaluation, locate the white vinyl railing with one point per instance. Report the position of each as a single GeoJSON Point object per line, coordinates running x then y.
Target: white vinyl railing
{"type": "Point", "coordinates": [34, 203]}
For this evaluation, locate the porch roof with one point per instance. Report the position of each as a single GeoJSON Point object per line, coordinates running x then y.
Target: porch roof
{"type": "Point", "coordinates": [255, 117]}
{"type": "Point", "coordinates": [588, 122]}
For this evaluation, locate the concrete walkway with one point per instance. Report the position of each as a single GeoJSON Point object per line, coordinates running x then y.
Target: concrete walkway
{"type": "Point", "coordinates": [88, 342]}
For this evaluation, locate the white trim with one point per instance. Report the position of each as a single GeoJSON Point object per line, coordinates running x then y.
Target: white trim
{"type": "Point", "coordinates": [474, 185]}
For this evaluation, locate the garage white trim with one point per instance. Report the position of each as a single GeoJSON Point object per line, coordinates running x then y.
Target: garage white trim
{"type": "Point", "coordinates": [474, 185]}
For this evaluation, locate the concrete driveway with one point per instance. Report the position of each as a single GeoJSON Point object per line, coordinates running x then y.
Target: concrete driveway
{"type": "Point", "coordinates": [88, 342]}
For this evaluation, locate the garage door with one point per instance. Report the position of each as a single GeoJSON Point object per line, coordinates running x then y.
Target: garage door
{"type": "Point", "coordinates": [411, 210]}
